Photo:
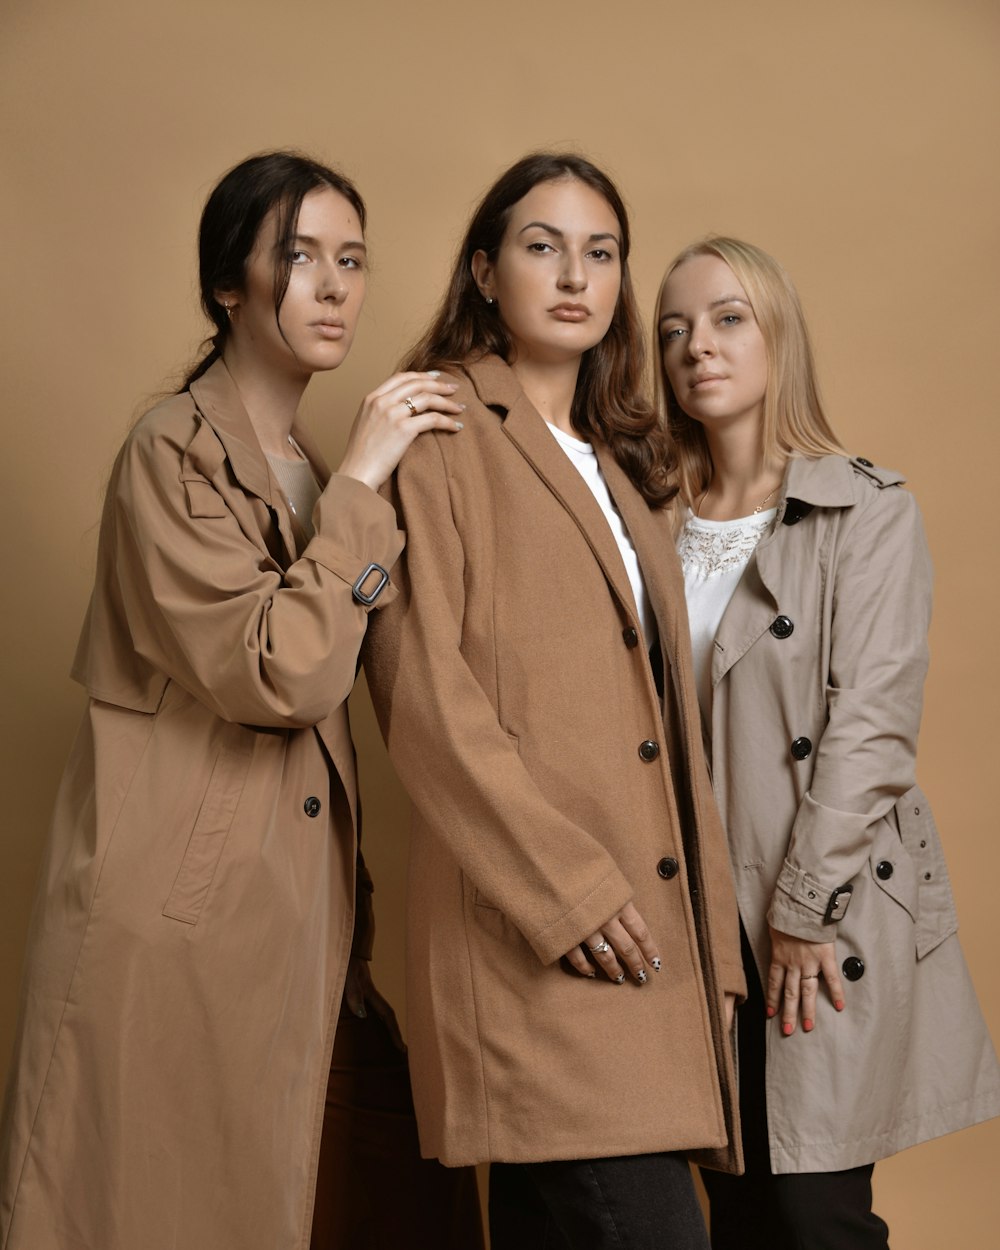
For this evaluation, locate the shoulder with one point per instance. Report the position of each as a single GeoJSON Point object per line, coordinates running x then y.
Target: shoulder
{"type": "Point", "coordinates": [172, 423]}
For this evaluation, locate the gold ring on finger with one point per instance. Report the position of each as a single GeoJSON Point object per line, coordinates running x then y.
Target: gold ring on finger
{"type": "Point", "coordinates": [813, 976]}
{"type": "Point", "coordinates": [411, 405]}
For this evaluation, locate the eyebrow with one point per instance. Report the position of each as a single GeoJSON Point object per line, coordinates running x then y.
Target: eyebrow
{"type": "Point", "coordinates": [594, 238]}
{"type": "Point", "coordinates": [716, 303]}
{"type": "Point", "coordinates": [353, 246]}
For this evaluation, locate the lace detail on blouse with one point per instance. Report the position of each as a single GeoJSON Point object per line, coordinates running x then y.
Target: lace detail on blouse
{"type": "Point", "coordinates": [713, 547]}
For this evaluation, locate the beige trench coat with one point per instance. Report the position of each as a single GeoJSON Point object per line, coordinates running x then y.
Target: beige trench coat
{"type": "Point", "coordinates": [818, 677]}
{"type": "Point", "coordinates": [197, 903]}
{"type": "Point", "coordinates": [515, 694]}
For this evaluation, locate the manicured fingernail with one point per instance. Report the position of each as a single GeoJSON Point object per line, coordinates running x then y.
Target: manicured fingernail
{"type": "Point", "coordinates": [771, 1013]}
{"type": "Point", "coordinates": [451, 386]}
{"type": "Point", "coordinates": [787, 1029]}
{"type": "Point", "coordinates": [839, 1004]}
{"type": "Point", "coordinates": [435, 373]}
{"type": "Point", "coordinates": [807, 1026]}
{"type": "Point", "coordinates": [640, 976]}
{"type": "Point", "coordinates": [591, 975]}
{"type": "Point", "coordinates": [462, 407]}
{"type": "Point", "coordinates": [620, 979]}
{"type": "Point", "coordinates": [656, 965]}
{"type": "Point", "coordinates": [459, 425]}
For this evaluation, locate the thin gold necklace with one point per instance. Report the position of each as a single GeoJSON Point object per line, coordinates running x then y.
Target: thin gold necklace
{"type": "Point", "coordinates": [759, 508]}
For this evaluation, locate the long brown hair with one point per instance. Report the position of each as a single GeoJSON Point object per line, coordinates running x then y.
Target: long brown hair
{"type": "Point", "coordinates": [794, 421]}
{"type": "Point", "coordinates": [610, 401]}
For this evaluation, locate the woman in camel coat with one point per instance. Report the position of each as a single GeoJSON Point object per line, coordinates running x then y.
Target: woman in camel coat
{"type": "Point", "coordinates": [809, 593]}
{"type": "Point", "coordinates": [553, 791]}
{"type": "Point", "coordinates": [196, 915]}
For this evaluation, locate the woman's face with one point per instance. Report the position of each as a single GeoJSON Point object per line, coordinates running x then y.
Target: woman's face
{"type": "Point", "coordinates": [713, 351]}
{"type": "Point", "coordinates": [558, 272]}
{"type": "Point", "coordinates": [326, 288]}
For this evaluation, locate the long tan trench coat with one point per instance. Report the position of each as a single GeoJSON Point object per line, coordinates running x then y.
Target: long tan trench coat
{"type": "Point", "coordinates": [197, 903]}
{"type": "Point", "coordinates": [818, 676]}
{"type": "Point", "coordinates": [515, 694]}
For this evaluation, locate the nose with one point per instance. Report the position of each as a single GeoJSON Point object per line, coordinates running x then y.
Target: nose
{"type": "Point", "coordinates": [700, 341]}
{"type": "Point", "coordinates": [332, 284]}
{"type": "Point", "coordinates": [573, 276]}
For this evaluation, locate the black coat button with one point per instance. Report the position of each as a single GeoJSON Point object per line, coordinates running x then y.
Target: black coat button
{"type": "Point", "coordinates": [867, 463]}
{"type": "Point", "coordinates": [853, 968]}
{"type": "Point", "coordinates": [648, 750]}
{"type": "Point", "coordinates": [312, 806]}
{"type": "Point", "coordinates": [801, 749]}
{"type": "Point", "coordinates": [884, 870]}
{"type": "Point", "coordinates": [631, 637]}
{"type": "Point", "coordinates": [668, 868]}
{"type": "Point", "coordinates": [782, 627]}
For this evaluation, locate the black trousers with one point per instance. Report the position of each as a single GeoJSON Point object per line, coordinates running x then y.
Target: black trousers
{"type": "Point", "coordinates": [790, 1211]}
{"type": "Point", "coordinates": [639, 1202]}
{"type": "Point", "coordinates": [373, 1190]}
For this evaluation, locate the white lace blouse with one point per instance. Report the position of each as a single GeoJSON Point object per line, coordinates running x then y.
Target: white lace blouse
{"type": "Point", "coordinates": [713, 555]}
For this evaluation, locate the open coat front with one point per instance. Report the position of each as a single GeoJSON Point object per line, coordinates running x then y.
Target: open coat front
{"type": "Point", "coordinates": [818, 677]}
{"type": "Point", "coordinates": [197, 902]}
{"type": "Point", "coordinates": [515, 693]}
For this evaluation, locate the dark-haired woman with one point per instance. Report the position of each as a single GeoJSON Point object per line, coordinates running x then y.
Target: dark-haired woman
{"type": "Point", "coordinates": [573, 945]}
{"type": "Point", "coordinates": [197, 916]}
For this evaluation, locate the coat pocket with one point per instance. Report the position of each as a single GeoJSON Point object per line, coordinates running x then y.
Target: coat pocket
{"type": "Point", "coordinates": [211, 828]}
{"type": "Point", "coordinates": [936, 916]}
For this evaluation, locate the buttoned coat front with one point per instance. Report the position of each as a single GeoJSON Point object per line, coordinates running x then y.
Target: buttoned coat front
{"type": "Point", "coordinates": [197, 902]}
{"type": "Point", "coordinates": [515, 695]}
{"type": "Point", "coordinates": [817, 676]}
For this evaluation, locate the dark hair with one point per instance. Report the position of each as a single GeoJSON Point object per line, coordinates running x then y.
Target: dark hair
{"type": "Point", "coordinates": [231, 222]}
{"type": "Point", "coordinates": [610, 400]}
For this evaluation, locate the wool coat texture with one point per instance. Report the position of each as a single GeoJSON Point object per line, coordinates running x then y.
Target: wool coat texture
{"type": "Point", "coordinates": [824, 646]}
{"type": "Point", "coordinates": [197, 903]}
{"type": "Point", "coordinates": [515, 692]}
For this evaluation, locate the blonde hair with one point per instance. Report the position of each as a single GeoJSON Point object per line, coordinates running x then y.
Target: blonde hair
{"type": "Point", "coordinates": [794, 421]}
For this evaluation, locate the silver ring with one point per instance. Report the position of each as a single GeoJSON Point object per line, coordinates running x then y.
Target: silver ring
{"type": "Point", "coordinates": [600, 948]}
{"type": "Point", "coordinates": [411, 405]}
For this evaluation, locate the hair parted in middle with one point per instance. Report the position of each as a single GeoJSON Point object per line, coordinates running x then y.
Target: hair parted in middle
{"type": "Point", "coordinates": [794, 421]}
{"type": "Point", "coordinates": [611, 402]}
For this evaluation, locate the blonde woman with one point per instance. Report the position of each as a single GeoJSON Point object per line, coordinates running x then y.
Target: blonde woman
{"type": "Point", "coordinates": [809, 590]}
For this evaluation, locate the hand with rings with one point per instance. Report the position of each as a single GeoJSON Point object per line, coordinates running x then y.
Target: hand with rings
{"type": "Point", "coordinates": [392, 416]}
{"type": "Point", "coordinates": [623, 942]}
{"type": "Point", "coordinates": [797, 966]}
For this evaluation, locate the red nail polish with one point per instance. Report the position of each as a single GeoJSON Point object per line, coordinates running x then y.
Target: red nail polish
{"type": "Point", "coordinates": [771, 1013]}
{"type": "Point", "coordinates": [787, 1029]}
{"type": "Point", "coordinates": [807, 1026]}
{"type": "Point", "coordinates": [839, 1004]}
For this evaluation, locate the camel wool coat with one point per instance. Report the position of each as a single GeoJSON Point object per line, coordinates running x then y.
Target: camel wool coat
{"type": "Point", "coordinates": [818, 674]}
{"type": "Point", "coordinates": [197, 902]}
{"type": "Point", "coordinates": [519, 707]}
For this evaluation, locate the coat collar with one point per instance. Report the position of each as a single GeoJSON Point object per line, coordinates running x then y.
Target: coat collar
{"type": "Point", "coordinates": [222, 409]}
{"type": "Point", "coordinates": [219, 402]}
{"type": "Point", "coordinates": [498, 388]}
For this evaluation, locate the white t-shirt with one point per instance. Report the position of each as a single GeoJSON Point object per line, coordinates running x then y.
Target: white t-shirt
{"type": "Point", "coordinates": [582, 455]}
{"type": "Point", "coordinates": [713, 555]}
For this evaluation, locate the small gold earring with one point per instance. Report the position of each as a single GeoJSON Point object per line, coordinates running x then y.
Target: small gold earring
{"type": "Point", "coordinates": [229, 309]}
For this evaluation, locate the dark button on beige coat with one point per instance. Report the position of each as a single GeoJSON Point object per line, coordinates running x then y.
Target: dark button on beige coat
{"type": "Point", "coordinates": [910, 1058]}
{"type": "Point", "coordinates": [515, 703]}
{"type": "Point", "coordinates": [197, 902]}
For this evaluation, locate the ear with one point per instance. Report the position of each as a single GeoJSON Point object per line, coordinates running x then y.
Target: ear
{"type": "Point", "coordinates": [228, 300]}
{"type": "Point", "coordinates": [482, 273]}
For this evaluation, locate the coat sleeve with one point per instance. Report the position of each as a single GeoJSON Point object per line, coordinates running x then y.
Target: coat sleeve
{"type": "Point", "coordinates": [205, 603]}
{"type": "Point", "coordinates": [551, 878]}
{"type": "Point", "coordinates": [881, 577]}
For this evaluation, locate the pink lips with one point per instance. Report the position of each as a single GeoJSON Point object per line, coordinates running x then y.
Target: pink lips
{"type": "Point", "coordinates": [705, 378]}
{"type": "Point", "coordinates": [570, 312]}
{"type": "Point", "coordinates": [330, 329]}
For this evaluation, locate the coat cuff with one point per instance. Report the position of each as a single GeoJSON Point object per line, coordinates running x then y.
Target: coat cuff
{"type": "Point", "coordinates": [799, 906]}
{"type": "Point", "coordinates": [586, 918]}
{"type": "Point", "coordinates": [355, 528]}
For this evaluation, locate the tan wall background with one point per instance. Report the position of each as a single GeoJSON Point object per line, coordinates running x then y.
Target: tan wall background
{"type": "Point", "coordinates": [857, 142]}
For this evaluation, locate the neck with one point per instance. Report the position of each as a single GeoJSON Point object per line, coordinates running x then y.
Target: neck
{"type": "Point", "coordinates": [742, 476]}
{"type": "Point", "coordinates": [270, 397]}
{"type": "Point", "coordinates": [551, 387]}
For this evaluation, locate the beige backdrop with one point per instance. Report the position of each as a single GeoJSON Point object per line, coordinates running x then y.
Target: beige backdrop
{"type": "Point", "coordinates": [856, 141]}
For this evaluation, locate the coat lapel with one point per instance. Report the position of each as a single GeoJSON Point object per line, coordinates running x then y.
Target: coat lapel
{"type": "Point", "coordinates": [498, 387]}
